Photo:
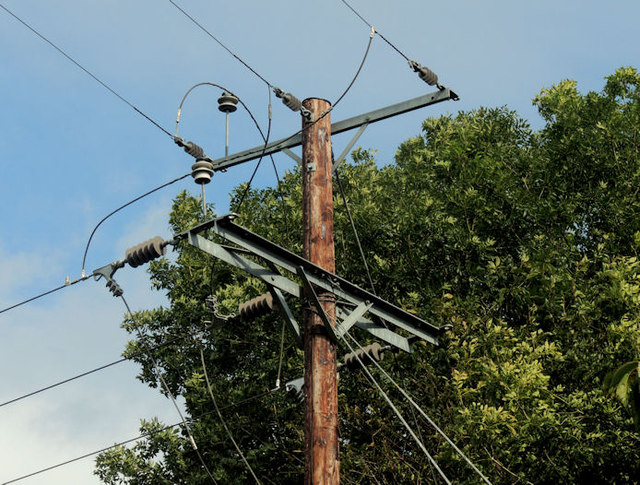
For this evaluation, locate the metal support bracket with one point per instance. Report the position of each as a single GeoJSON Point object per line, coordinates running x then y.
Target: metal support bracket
{"type": "Point", "coordinates": [352, 318]}
{"type": "Point", "coordinates": [291, 154]}
{"type": "Point", "coordinates": [347, 149]}
{"type": "Point", "coordinates": [358, 301]}
{"type": "Point", "coordinates": [107, 273]}
{"type": "Point", "coordinates": [288, 316]}
{"type": "Point", "coordinates": [313, 296]}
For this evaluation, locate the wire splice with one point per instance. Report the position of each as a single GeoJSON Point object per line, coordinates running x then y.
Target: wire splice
{"type": "Point", "coordinates": [146, 251]}
{"type": "Point", "coordinates": [426, 74]}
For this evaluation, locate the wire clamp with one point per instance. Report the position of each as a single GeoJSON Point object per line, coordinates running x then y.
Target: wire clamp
{"type": "Point", "coordinates": [107, 273]}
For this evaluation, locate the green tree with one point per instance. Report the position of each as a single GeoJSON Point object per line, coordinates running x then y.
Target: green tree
{"type": "Point", "coordinates": [526, 241]}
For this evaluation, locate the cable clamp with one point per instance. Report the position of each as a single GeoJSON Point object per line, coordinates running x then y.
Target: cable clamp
{"type": "Point", "coordinates": [107, 273]}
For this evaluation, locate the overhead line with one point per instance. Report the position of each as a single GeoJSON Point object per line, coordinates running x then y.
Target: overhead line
{"type": "Point", "coordinates": [190, 17]}
{"type": "Point", "coordinates": [70, 379]}
{"type": "Point", "coordinates": [377, 32]}
{"type": "Point", "coordinates": [86, 249]}
{"type": "Point", "coordinates": [61, 287]}
{"type": "Point", "coordinates": [80, 66]}
{"type": "Point", "coordinates": [131, 440]}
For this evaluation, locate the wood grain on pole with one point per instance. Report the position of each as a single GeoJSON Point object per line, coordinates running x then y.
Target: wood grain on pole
{"type": "Point", "coordinates": [321, 389]}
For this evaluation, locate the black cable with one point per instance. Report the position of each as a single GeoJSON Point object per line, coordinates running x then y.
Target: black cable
{"type": "Point", "coordinates": [45, 294]}
{"type": "Point", "coordinates": [131, 440]}
{"type": "Point", "coordinates": [96, 78]}
{"type": "Point", "coordinates": [372, 27]}
{"type": "Point", "coordinates": [84, 258]}
{"type": "Point", "coordinates": [167, 390]}
{"type": "Point", "coordinates": [92, 371]}
{"type": "Point", "coordinates": [255, 170]}
{"type": "Point", "coordinates": [70, 379]}
{"type": "Point", "coordinates": [355, 232]}
{"type": "Point", "coordinates": [220, 43]}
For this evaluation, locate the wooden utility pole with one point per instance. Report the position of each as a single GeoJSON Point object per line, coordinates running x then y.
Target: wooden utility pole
{"type": "Point", "coordinates": [322, 465]}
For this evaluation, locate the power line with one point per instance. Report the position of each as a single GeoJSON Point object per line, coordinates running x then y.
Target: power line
{"type": "Point", "coordinates": [86, 249]}
{"type": "Point", "coordinates": [92, 371]}
{"type": "Point", "coordinates": [224, 423]}
{"type": "Point", "coordinates": [80, 66]}
{"type": "Point", "coordinates": [190, 17]}
{"type": "Point", "coordinates": [131, 440]}
{"type": "Point", "coordinates": [61, 287]}
{"type": "Point", "coordinates": [377, 32]}
{"type": "Point", "coordinates": [167, 390]}
{"type": "Point", "coordinates": [421, 411]}
{"type": "Point", "coordinates": [65, 381]}
{"type": "Point", "coordinates": [395, 409]}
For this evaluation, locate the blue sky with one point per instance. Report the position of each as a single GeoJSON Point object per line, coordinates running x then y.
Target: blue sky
{"type": "Point", "coordinates": [71, 152]}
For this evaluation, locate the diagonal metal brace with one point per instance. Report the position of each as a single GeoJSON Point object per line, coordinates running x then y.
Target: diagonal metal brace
{"type": "Point", "coordinates": [313, 296]}
{"type": "Point", "coordinates": [353, 317]}
{"type": "Point", "coordinates": [288, 316]}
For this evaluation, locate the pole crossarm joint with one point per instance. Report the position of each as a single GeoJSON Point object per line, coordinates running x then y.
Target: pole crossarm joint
{"type": "Point", "coordinates": [353, 302]}
{"type": "Point", "coordinates": [445, 94]}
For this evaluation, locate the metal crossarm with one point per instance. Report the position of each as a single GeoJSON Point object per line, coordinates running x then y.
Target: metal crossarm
{"type": "Point", "coordinates": [345, 291]}
{"type": "Point", "coordinates": [445, 94]}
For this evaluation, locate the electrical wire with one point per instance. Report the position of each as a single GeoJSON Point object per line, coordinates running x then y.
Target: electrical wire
{"type": "Point", "coordinates": [377, 32]}
{"type": "Point", "coordinates": [86, 71]}
{"type": "Point", "coordinates": [395, 409]}
{"type": "Point", "coordinates": [424, 415]}
{"type": "Point", "coordinates": [224, 423]}
{"type": "Point", "coordinates": [92, 371]}
{"type": "Point", "coordinates": [168, 391]}
{"type": "Point", "coordinates": [61, 287]}
{"type": "Point", "coordinates": [264, 138]}
{"type": "Point", "coordinates": [344, 93]}
{"type": "Point", "coordinates": [355, 231]}
{"type": "Point", "coordinates": [57, 384]}
{"type": "Point", "coordinates": [131, 440]}
{"type": "Point", "coordinates": [190, 17]}
{"type": "Point", "coordinates": [86, 249]}
{"type": "Point", "coordinates": [264, 149]}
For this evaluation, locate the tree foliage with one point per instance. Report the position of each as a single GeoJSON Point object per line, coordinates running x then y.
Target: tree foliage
{"type": "Point", "coordinates": [525, 241]}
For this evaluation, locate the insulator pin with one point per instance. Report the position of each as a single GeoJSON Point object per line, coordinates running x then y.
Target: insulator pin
{"type": "Point", "coordinates": [256, 307]}
{"type": "Point", "coordinates": [202, 171]}
{"type": "Point", "coordinates": [227, 103]}
{"type": "Point", "coordinates": [145, 252]}
{"type": "Point", "coordinates": [373, 352]}
{"type": "Point", "coordinates": [426, 74]}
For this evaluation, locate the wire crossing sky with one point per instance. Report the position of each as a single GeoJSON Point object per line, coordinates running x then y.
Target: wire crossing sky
{"type": "Point", "coordinates": [72, 152]}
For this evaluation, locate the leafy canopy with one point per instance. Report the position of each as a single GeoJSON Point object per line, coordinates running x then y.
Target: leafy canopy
{"type": "Point", "coordinates": [527, 242]}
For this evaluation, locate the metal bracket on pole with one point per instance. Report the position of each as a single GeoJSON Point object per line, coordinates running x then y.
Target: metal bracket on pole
{"type": "Point", "coordinates": [353, 301]}
{"type": "Point", "coordinates": [349, 146]}
{"type": "Point", "coordinates": [286, 313]}
{"type": "Point", "coordinates": [312, 295]}
{"type": "Point", "coordinates": [445, 94]}
{"type": "Point", "coordinates": [288, 152]}
{"type": "Point", "coordinates": [352, 318]}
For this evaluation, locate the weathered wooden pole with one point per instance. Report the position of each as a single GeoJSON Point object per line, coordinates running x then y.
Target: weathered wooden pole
{"type": "Point", "coordinates": [320, 378]}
